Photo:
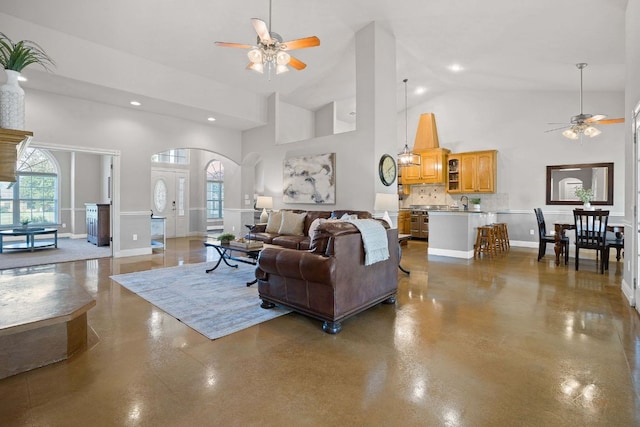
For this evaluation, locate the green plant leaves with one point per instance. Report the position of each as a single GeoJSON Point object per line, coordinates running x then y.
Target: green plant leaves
{"type": "Point", "coordinates": [17, 56]}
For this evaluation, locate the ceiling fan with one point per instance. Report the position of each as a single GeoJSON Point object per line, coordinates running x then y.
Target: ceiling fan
{"type": "Point", "coordinates": [582, 124]}
{"type": "Point", "coordinates": [270, 51]}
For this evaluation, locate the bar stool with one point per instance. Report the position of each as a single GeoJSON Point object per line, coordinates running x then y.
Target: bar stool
{"type": "Point", "coordinates": [485, 241]}
{"type": "Point", "coordinates": [502, 235]}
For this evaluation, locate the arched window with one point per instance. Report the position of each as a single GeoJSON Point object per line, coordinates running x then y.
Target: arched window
{"type": "Point", "coordinates": [34, 195]}
{"type": "Point", "coordinates": [215, 189]}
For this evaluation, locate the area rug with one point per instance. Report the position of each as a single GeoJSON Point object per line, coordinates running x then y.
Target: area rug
{"type": "Point", "coordinates": [214, 304]}
{"type": "Point", "coordinates": [67, 250]}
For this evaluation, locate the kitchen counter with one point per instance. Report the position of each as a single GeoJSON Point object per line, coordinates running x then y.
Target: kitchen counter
{"type": "Point", "coordinates": [453, 233]}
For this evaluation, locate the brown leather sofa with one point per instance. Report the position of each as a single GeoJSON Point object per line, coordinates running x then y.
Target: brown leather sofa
{"type": "Point", "coordinates": [258, 232]}
{"type": "Point", "coordinates": [330, 281]}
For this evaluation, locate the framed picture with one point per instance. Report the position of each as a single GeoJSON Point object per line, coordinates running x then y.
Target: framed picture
{"type": "Point", "coordinates": [310, 179]}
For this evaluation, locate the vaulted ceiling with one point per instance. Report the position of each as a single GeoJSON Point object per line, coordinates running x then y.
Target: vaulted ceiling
{"type": "Point", "coordinates": [501, 44]}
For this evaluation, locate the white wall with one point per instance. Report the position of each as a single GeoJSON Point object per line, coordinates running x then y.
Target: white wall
{"type": "Point", "coordinates": [294, 123]}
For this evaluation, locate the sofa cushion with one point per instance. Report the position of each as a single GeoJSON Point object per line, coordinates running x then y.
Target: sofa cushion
{"type": "Point", "coordinates": [274, 221]}
{"type": "Point", "coordinates": [290, 241]}
{"type": "Point", "coordinates": [292, 223]}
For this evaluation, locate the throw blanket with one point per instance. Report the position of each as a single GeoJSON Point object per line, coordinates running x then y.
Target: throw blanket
{"type": "Point", "coordinates": [374, 239]}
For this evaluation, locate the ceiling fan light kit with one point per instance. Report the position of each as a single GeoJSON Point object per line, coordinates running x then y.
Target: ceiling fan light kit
{"type": "Point", "coordinates": [582, 124]}
{"type": "Point", "coordinates": [270, 51]}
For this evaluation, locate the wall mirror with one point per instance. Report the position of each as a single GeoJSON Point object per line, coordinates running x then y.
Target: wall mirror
{"type": "Point", "coordinates": [562, 180]}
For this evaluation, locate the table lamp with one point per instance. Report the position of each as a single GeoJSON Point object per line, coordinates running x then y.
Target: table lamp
{"type": "Point", "coordinates": [264, 202]}
{"type": "Point", "coordinates": [386, 202]}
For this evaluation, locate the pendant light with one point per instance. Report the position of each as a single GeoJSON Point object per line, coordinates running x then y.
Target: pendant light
{"type": "Point", "coordinates": [406, 157]}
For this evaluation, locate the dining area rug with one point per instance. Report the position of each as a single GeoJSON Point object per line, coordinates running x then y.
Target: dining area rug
{"type": "Point", "coordinates": [214, 304]}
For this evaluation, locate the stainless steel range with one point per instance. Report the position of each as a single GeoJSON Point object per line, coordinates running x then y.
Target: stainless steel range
{"type": "Point", "coordinates": [420, 219]}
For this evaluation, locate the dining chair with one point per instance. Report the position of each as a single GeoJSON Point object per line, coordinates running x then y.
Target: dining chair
{"type": "Point", "coordinates": [615, 240]}
{"type": "Point", "coordinates": [591, 233]}
{"type": "Point", "coordinates": [546, 238]}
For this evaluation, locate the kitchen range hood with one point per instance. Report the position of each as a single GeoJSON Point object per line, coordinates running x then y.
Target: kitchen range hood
{"type": "Point", "coordinates": [427, 134]}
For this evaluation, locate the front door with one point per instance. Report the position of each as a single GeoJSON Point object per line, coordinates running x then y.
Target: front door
{"type": "Point", "coordinates": [169, 190]}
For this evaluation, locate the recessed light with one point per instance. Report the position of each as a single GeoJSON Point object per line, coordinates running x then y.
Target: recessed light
{"type": "Point", "coordinates": [22, 78]}
{"type": "Point", "coordinates": [211, 119]}
{"type": "Point", "coordinates": [456, 68]}
{"type": "Point", "coordinates": [135, 103]}
{"type": "Point", "coordinates": [420, 90]}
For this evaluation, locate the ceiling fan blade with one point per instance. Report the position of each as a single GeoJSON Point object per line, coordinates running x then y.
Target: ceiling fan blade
{"type": "Point", "coordinates": [553, 130]}
{"type": "Point", "coordinates": [297, 64]}
{"type": "Point", "coordinates": [240, 45]}
{"type": "Point", "coordinates": [610, 121]}
{"type": "Point", "coordinates": [263, 31]}
{"type": "Point", "coordinates": [301, 43]}
{"type": "Point", "coordinates": [595, 118]}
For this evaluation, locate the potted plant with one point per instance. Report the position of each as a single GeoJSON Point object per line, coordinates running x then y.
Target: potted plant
{"type": "Point", "coordinates": [476, 203]}
{"type": "Point", "coordinates": [14, 57]}
{"type": "Point", "coordinates": [585, 195]}
{"type": "Point", "coordinates": [25, 223]}
{"type": "Point", "coordinates": [226, 237]}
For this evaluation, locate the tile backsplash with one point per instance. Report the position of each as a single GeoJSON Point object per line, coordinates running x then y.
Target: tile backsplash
{"type": "Point", "coordinates": [436, 194]}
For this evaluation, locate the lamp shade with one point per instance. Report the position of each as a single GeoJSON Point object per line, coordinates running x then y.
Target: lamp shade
{"type": "Point", "coordinates": [264, 202]}
{"type": "Point", "coordinates": [386, 202]}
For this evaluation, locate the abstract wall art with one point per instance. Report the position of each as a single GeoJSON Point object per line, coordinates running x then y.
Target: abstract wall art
{"type": "Point", "coordinates": [310, 179]}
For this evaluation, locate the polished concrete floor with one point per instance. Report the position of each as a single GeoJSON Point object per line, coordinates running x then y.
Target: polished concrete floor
{"type": "Point", "coordinates": [492, 342]}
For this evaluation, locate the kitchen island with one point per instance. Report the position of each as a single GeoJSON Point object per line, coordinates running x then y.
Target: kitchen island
{"type": "Point", "coordinates": [453, 233]}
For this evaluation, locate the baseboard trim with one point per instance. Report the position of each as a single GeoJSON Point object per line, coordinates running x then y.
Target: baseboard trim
{"type": "Point", "coordinates": [628, 293]}
{"type": "Point", "coordinates": [133, 252]}
{"type": "Point", "coordinates": [451, 253]}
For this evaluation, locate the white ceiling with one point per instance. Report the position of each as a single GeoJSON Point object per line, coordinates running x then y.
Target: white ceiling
{"type": "Point", "coordinates": [502, 44]}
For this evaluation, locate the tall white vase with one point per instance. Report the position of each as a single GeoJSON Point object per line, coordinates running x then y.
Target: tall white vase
{"type": "Point", "coordinates": [12, 102]}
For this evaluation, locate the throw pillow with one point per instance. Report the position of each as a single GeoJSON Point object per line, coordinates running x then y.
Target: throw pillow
{"type": "Point", "coordinates": [314, 224]}
{"type": "Point", "coordinates": [292, 223]}
{"type": "Point", "coordinates": [274, 221]}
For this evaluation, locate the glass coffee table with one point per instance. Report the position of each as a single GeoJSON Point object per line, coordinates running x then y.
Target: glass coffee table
{"type": "Point", "coordinates": [225, 250]}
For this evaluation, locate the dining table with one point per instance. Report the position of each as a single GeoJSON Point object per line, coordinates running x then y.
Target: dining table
{"type": "Point", "coordinates": [560, 232]}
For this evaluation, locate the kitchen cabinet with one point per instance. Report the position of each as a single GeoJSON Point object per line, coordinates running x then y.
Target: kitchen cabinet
{"type": "Point", "coordinates": [475, 173]}
{"type": "Point", "coordinates": [432, 169]}
{"type": "Point", "coordinates": [98, 223]}
{"type": "Point", "coordinates": [404, 222]}
{"type": "Point", "coordinates": [453, 178]}
{"type": "Point", "coordinates": [403, 190]}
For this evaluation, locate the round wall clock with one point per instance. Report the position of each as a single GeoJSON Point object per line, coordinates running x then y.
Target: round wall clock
{"type": "Point", "coordinates": [160, 195]}
{"type": "Point", "coordinates": [387, 169]}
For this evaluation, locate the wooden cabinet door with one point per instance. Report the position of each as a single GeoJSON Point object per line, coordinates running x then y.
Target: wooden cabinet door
{"type": "Point", "coordinates": [485, 172]}
{"type": "Point", "coordinates": [453, 174]}
{"type": "Point", "coordinates": [431, 170]}
{"type": "Point", "coordinates": [468, 166]}
{"type": "Point", "coordinates": [411, 173]}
